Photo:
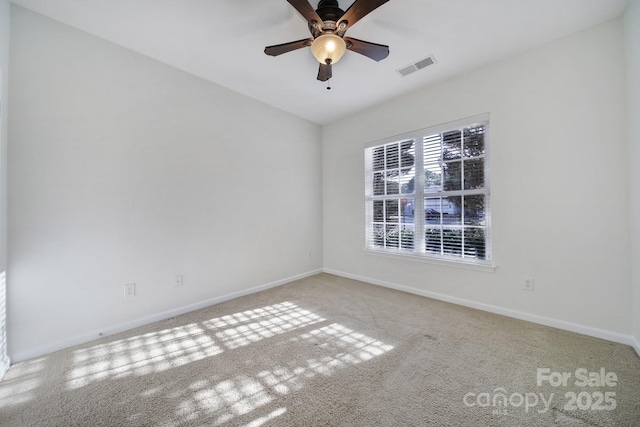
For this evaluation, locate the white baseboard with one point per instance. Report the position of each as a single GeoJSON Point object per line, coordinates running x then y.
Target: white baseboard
{"type": "Point", "coordinates": [546, 321]}
{"type": "Point", "coordinates": [636, 345]}
{"type": "Point", "coordinates": [93, 335]}
{"type": "Point", "coordinates": [114, 329]}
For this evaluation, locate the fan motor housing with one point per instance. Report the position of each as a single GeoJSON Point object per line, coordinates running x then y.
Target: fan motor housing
{"type": "Point", "coordinates": [329, 10]}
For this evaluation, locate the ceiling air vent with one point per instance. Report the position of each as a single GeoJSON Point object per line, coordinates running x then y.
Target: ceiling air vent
{"type": "Point", "coordinates": [418, 65]}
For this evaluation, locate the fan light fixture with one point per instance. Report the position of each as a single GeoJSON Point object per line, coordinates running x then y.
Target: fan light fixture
{"type": "Point", "coordinates": [328, 48]}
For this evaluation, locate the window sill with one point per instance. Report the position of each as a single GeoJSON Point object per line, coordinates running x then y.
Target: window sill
{"type": "Point", "coordinates": [489, 268]}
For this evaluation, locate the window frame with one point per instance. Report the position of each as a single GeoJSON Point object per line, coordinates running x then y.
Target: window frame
{"type": "Point", "coordinates": [420, 194]}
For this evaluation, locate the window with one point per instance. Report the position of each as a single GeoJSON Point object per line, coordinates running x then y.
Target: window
{"type": "Point", "coordinates": [427, 193]}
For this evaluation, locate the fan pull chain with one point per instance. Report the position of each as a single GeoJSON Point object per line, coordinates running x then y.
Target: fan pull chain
{"type": "Point", "coordinates": [328, 87]}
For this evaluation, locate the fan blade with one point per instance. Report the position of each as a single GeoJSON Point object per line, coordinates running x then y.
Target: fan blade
{"type": "Point", "coordinates": [324, 73]}
{"type": "Point", "coordinates": [359, 9]}
{"type": "Point", "coordinates": [375, 51]}
{"type": "Point", "coordinates": [279, 49]}
{"type": "Point", "coordinates": [306, 10]}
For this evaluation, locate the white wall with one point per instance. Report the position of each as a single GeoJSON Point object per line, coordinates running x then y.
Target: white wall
{"type": "Point", "coordinates": [559, 174]}
{"type": "Point", "coordinates": [4, 77]}
{"type": "Point", "coordinates": [123, 169]}
{"type": "Point", "coordinates": [632, 46]}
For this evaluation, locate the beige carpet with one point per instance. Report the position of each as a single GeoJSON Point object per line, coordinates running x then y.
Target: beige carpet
{"type": "Point", "coordinates": [327, 351]}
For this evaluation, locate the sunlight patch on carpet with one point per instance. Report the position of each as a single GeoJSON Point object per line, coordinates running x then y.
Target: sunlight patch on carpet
{"type": "Point", "coordinates": [174, 347]}
{"type": "Point", "coordinates": [358, 347]}
{"type": "Point", "coordinates": [258, 324]}
{"type": "Point", "coordinates": [270, 416]}
{"type": "Point", "coordinates": [337, 347]}
{"type": "Point", "coordinates": [141, 355]}
{"type": "Point", "coordinates": [228, 398]}
{"type": "Point", "coordinates": [22, 384]}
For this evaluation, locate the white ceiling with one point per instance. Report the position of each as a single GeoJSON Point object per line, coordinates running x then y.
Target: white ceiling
{"type": "Point", "coordinates": [223, 41]}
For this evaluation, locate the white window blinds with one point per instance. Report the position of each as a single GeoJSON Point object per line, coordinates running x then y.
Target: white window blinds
{"type": "Point", "coordinates": [427, 193]}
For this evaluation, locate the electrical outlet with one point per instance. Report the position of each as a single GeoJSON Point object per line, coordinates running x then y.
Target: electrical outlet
{"type": "Point", "coordinates": [527, 283]}
{"type": "Point", "coordinates": [177, 281]}
{"type": "Point", "coordinates": [130, 290]}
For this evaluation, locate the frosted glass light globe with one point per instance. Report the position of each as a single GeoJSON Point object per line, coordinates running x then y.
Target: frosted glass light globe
{"type": "Point", "coordinates": [328, 47]}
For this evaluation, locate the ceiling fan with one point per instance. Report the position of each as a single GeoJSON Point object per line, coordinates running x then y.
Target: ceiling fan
{"type": "Point", "coordinates": [328, 24]}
